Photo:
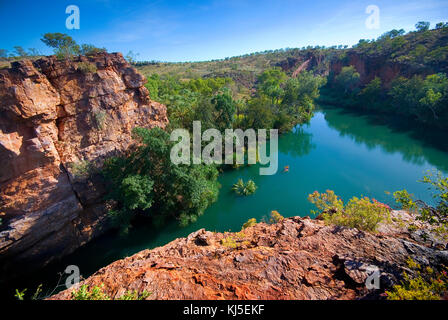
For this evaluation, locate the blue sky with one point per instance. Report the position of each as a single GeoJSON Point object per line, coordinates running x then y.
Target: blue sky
{"type": "Point", "coordinates": [203, 30]}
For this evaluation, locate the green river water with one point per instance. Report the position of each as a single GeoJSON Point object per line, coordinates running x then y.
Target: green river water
{"type": "Point", "coordinates": [349, 153]}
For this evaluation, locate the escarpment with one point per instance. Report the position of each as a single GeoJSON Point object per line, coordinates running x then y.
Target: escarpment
{"type": "Point", "coordinates": [367, 67]}
{"type": "Point", "coordinates": [59, 120]}
{"type": "Point", "coordinates": [296, 258]}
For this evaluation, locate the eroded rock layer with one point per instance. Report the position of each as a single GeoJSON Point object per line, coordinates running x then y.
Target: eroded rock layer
{"type": "Point", "coordinates": [297, 258]}
{"type": "Point", "coordinates": [58, 120]}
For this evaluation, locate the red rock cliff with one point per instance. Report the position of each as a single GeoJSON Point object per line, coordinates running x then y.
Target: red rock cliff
{"type": "Point", "coordinates": [297, 258]}
{"type": "Point", "coordinates": [56, 119]}
{"type": "Point", "coordinates": [367, 67]}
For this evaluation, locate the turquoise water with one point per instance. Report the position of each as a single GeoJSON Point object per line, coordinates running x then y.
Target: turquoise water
{"type": "Point", "coordinates": [351, 154]}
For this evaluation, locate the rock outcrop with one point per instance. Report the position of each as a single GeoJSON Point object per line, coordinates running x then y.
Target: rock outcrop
{"type": "Point", "coordinates": [58, 120]}
{"type": "Point", "coordinates": [297, 258]}
{"type": "Point", "coordinates": [368, 67]}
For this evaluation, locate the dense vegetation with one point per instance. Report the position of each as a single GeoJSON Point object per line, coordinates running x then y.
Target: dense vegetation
{"type": "Point", "coordinates": [224, 95]}
{"type": "Point", "coordinates": [145, 182]}
{"type": "Point", "coordinates": [279, 102]}
{"type": "Point", "coordinates": [418, 92]}
{"type": "Point", "coordinates": [426, 284]}
{"type": "Point", "coordinates": [361, 213]}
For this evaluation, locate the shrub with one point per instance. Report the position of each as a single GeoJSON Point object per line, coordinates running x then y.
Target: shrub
{"type": "Point", "coordinates": [276, 217]}
{"type": "Point", "coordinates": [438, 184]}
{"type": "Point", "coordinates": [89, 49]}
{"type": "Point", "coordinates": [134, 295]}
{"type": "Point", "coordinates": [82, 169]}
{"type": "Point", "coordinates": [97, 293]}
{"type": "Point", "coordinates": [229, 242]}
{"type": "Point", "coordinates": [436, 215]}
{"type": "Point", "coordinates": [234, 241]}
{"type": "Point", "coordinates": [99, 119]}
{"type": "Point", "coordinates": [327, 202]}
{"type": "Point", "coordinates": [361, 213]}
{"type": "Point", "coordinates": [427, 284]}
{"type": "Point", "coordinates": [87, 67]}
{"type": "Point", "coordinates": [20, 294]}
{"type": "Point", "coordinates": [250, 223]}
{"type": "Point", "coordinates": [405, 199]}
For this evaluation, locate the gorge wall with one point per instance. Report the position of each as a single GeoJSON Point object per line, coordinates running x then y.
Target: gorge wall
{"type": "Point", "coordinates": [368, 67]}
{"type": "Point", "coordinates": [58, 120]}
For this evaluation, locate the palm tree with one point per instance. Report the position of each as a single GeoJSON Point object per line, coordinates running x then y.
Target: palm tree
{"type": "Point", "coordinates": [244, 189]}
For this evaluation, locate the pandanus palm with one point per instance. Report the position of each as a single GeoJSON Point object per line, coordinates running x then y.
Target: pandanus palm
{"type": "Point", "coordinates": [244, 189]}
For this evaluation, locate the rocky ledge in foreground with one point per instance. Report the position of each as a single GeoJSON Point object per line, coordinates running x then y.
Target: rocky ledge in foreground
{"type": "Point", "coordinates": [297, 258]}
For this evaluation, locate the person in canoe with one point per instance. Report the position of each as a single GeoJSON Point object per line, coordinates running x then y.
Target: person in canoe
{"type": "Point", "coordinates": [286, 169]}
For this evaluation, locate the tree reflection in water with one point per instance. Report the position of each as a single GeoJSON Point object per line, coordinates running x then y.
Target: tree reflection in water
{"type": "Point", "coordinates": [392, 135]}
{"type": "Point", "coordinates": [297, 143]}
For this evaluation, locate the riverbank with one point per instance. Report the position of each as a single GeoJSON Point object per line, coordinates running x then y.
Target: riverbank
{"type": "Point", "coordinates": [351, 154]}
{"type": "Point", "coordinates": [296, 258]}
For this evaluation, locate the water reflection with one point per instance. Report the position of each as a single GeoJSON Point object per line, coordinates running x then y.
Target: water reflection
{"type": "Point", "coordinates": [346, 152]}
{"type": "Point", "coordinates": [392, 135]}
{"type": "Point", "coordinates": [297, 143]}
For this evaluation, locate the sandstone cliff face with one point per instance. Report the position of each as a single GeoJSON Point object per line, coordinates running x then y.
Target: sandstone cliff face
{"type": "Point", "coordinates": [56, 121]}
{"type": "Point", "coordinates": [297, 258]}
{"type": "Point", "coordinates": [367, 67]}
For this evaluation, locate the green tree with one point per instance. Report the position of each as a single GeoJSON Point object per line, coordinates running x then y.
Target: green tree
{"type": "Point", "coordinates": [131, 57]}
{"type": "Point", "coordinates": [422, 26]}
{"type": "Point", "coordinates": [259, 114]}
{"type": "Point", "coordinates": [435, 97]}
{"type": "Point", "coordinates": [90, 49]}
{"type": "Point", "coordinates": [370, 95]}
{"type": "Point", "coordinates": [348, 79]}
{"type": "Point", "coordinates": [20, 52]}
{"type": "Point", "coordinates": [300, 93]}
{"type": "Point", "coordinates": [441, 25]}
{"type": "Point", "coordinates": [425, 99]}
{"type": "Point", "coordinates": [147, 183]}
{"type": "Point", "coordinates": [269, 84]}
{"type": "Point", "coordinates": [405, 95]}
{"type": "Point", "coordinates": [34, 52]}
{"type": "Point", "coordinates": [3, 54]}
{"type": "Point", "coordinates": [152, 85]}
{"type": "Point", "coordinates": [225, 109]}
{"type": "Point", "coordinates": [64, 46]}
